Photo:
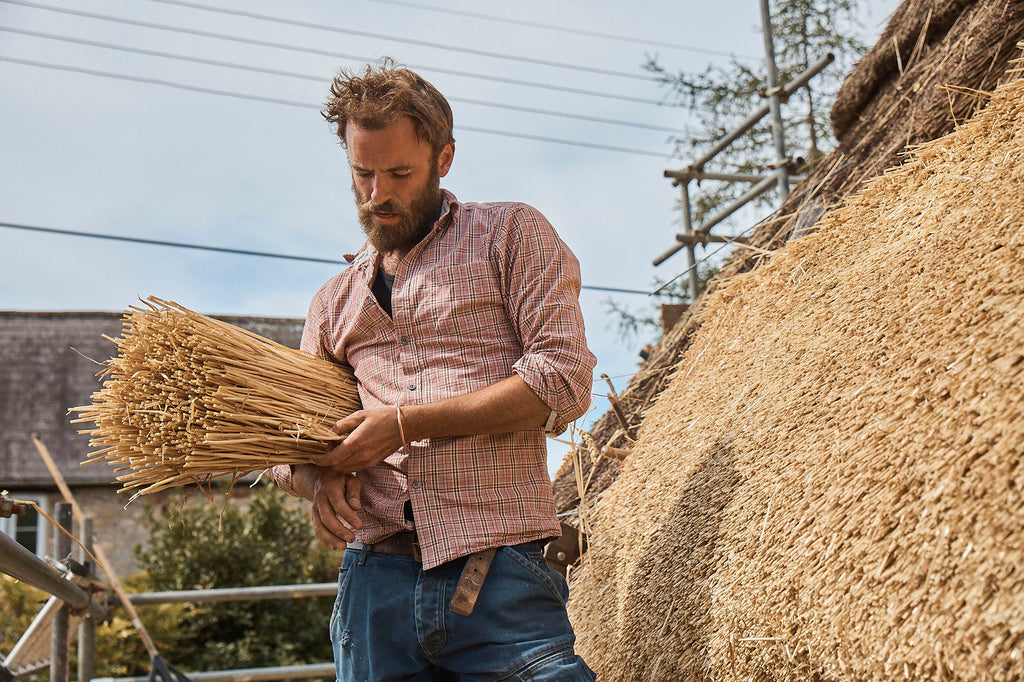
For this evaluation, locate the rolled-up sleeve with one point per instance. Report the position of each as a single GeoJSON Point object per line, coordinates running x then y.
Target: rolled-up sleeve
{"type": "Point", "coordinates": [541, 283]}
{"type": "Point", "coordinates": [282, 475]}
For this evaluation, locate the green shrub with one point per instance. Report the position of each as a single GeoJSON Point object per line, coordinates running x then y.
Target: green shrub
{"type": "Point", "coordinates": [19, 604]}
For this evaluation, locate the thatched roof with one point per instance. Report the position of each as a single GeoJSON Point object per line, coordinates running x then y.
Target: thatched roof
{"type": "Point", "coordinates": [950, 53]}
{"type": "Point", "coordinates": [830, 485]}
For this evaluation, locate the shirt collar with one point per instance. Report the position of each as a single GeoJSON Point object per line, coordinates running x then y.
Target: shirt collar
{"type": "Point", "coordinates": [449, 205]}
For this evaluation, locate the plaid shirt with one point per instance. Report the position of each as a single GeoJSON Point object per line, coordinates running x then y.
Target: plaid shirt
{"type": "Point", "coordinates": [491, 291]}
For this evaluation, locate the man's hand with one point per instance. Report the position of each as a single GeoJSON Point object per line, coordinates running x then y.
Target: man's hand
{"type": "Point", "coordinates": [335, 497]}
{"type": "Point", "coordinates": [505, 406]}
{"type": "Point", "coordinates": [372, 436]}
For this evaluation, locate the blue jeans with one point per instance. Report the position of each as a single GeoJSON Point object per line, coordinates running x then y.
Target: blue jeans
{"type": "Point", "coordinates": [392, 621]}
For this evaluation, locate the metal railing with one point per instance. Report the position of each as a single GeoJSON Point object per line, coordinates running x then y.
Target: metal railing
{"type": "Point", "coordinates": [288, 672]}
{"type": "Point", "coordinates": [20, 563]}
{"type": "Point", "coordinates": [228, 594]}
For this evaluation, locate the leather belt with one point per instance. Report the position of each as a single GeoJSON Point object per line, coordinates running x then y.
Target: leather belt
{"type": "Point", "coordinates": [403, 543]}
{"type": "Point", "coordinates": [470, 581]}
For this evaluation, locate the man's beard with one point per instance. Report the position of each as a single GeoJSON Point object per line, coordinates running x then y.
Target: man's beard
{"type": "Point", "coordinates": [415, 219]}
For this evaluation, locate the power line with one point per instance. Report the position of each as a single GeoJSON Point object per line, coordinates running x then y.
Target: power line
{"type": "Point", "coordinates": [333, 54]}
{"type": "Point", "coordinates": [588, 145]}
{"type": "Point", "coordinates": [221, 249]}
{"type": "Point", "coordinates": [304, 105]}
{"type": "Point", "coordinates": [177, 245]}
{"type": "Point", "coordinates": [565, 114]}
{"type": "Point", "coordinates": [564, 29]}
{"type": "Point", "coordinates": [157, 81]}
{"type": "Point", "coordinates": [407, 41]}
{"type": "Point", "coordinates": [320, 79]}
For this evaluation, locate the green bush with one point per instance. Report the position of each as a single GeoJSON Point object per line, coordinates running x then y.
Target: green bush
{"type": "Point", "coordinates": [19, 604]}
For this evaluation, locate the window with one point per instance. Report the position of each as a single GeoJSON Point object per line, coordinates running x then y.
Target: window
{"type": "Point", "coordinates": [29, 529]}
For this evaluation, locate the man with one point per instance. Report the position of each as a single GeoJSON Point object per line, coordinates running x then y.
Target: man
{"type": "Point", "coordinates": [462, 324]}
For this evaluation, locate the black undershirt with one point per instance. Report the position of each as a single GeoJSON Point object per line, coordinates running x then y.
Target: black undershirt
{"type": "Point", "coordinates": [383, 283]}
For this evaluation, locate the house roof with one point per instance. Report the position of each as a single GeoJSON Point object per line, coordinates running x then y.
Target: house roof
{"type": "Point", "coordinates": [48, 364]}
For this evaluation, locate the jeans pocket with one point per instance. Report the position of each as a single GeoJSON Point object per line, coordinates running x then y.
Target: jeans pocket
{"type": "Point", "coordinates": [532, 559]}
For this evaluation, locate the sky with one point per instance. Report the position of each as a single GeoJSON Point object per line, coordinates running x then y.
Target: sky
{"type": "Point", "coordinates": [187, 150]}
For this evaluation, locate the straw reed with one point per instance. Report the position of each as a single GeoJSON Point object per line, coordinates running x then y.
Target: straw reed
{"type": "Point", "coordinates": [190, 398]}
{"type": "Point", "coordinates": [831, 486]}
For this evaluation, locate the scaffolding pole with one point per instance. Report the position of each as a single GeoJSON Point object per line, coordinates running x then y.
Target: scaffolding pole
{"type": "Point", "coordinates": [780, 177]}
{"type": "Point", "coordinates": [784, 93]}
{"type": "Point", "coordinates": [684, 239]}
{"type": "Point", "coordinates": [87, 628]}
{"type": "Point", "coordinates": [60, 628]}
{"type": "Point", "coordinates": [18, 562]}
{"type": "Point", "coordinates": [775, 103]}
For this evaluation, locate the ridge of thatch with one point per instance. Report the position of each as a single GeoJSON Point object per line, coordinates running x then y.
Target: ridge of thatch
{"type": "Point", "coordinates": [960, 49]}
{"type": "Point", "coordinates": [830, 486]}
{"type": "Point", "coordinates": [912, 26]}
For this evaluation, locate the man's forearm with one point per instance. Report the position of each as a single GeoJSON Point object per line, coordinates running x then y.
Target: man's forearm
{"type": "Point", "coordinates": [509, 405]}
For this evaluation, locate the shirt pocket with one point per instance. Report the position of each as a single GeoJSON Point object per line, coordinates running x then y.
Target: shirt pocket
{"type": "Point", "coordinates": [466, 305]}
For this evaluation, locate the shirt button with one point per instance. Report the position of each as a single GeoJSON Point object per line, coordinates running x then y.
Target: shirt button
{"type": "Point", "coordinates": [416, 484]}
{"type": "Point", "coordinates": [412, 387]}
{"type": "Point", "coordinates": [406, 340]}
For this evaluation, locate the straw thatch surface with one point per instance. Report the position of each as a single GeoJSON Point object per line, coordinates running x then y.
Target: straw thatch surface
{"type": "Point", "coordinates": [950, 52]}
{"type": "Point", "coordinates": [831, 485]}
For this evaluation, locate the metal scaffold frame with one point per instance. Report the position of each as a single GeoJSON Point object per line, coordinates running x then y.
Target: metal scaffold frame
{"type": "Point", "coordinates": [80, 601]}
{"type": "Point", "coordinates": [779, 176]}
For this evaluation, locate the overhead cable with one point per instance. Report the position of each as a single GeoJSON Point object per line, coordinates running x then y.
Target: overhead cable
{"type": "Point", "coordinates": [333, 54]}
{"type": "Point", "coordinates": [221, 249]}
{"type": "Point", "coordinates": [320, 79]}
{"type": "Point", "coordinates": [177, 245]}
{"type": "Point", "coordinates": [564, 29]}
{"type": "Point", "coordinates": [304, 105]}
{"type": "Point", "coordinates": [156, 81]}
{"type": "Point", "coordinates": [407, 41]}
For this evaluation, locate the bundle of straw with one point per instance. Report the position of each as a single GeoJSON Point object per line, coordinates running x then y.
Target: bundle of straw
{"type": "Point", "coordinates": [190, 398]}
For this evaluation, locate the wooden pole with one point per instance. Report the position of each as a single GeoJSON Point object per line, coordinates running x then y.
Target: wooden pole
{"type": "Point", "coordinates": [101, 556]}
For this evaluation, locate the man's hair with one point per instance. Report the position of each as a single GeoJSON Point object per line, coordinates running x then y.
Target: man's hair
{"type": "Point", "coordinates": [381, 95]}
